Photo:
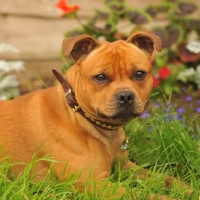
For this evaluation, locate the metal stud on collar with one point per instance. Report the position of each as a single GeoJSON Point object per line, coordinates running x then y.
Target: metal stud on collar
{"type": "Point", "coordinates": [68, 92]}
{"type": "Point", "coordinates": [76, 108]}
{"type": "Point", "coordinates": [102, 125]}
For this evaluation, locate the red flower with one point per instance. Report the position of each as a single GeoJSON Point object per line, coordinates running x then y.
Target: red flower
{"type": "Point", "coordinates": [62, 4]}
{"type": "Point", "coordinates": [164, 72]}
{"type": "Point", "coordinates": [156, 82]}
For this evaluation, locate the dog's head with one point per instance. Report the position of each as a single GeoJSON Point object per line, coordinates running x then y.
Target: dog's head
{"type": "Point", "coordinates": [112, 81]}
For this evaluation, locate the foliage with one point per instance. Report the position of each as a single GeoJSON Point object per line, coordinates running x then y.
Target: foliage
{"type": "Point", "coordinates": [165, 76]}
{"type": "Point", "coordinates": [9, 83]}
{"type": "Point", "coordinates": [179, 26]}
{"type": "Point", "coordinates": [167, 138]}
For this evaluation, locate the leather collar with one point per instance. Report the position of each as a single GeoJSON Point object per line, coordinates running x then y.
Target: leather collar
{"type": "Point", "coordinates": [72, 102]}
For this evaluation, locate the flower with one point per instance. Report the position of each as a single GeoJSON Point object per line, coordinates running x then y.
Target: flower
{"type": "Point", "coordinates": [7, 47]}
{"type": "Point", "coordinates": [164, 72]}
{"type": "Point", "coordinates": [179, 117]}
{"type": "Point", "coordinates": [156, 104]}
{"type": "Point", "coordinates": [62, 5]}
{"type": "Point", "coordinates": [198, 110]}
{"type": "Point", "coordinates": [156, 82]}
{"type": "Point", "coordinates": [183, 89]}
{"type": "Point", "coordinates": [188, 98]}
{"type": "Point", "coordinates": [145, 115]}
{"type": "Point", "coordinates": [180, 110]}
{"type": "Point", "coordinates": [168, 117]}
{"type": "Point", "coordinates": [194, 47]}
{"type": "Point", "coordinates": [186, 74]}
{"type": "Point", "coordinates": [167, 110]}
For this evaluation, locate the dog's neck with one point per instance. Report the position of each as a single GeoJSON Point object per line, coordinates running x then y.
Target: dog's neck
{"type": "Point", "coordinates": [72, 102]}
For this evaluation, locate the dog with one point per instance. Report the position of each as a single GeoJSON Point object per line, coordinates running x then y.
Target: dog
{"type": "Point", "coordinates": [79, 122]}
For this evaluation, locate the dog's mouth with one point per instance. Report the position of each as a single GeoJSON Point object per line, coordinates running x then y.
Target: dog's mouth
{"type": "Point", "coordinates": [122, 116]}
{"type": "Point", "coordinates": [125, 117]}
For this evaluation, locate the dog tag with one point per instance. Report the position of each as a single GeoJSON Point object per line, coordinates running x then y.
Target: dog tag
{"type": "Point", "coordinates": [125, 145]}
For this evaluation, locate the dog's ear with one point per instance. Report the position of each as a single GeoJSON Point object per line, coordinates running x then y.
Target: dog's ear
{"type": "Point", "coordinates": [145, 41]}
{"type": "Point", "coordinates": [78, 46]}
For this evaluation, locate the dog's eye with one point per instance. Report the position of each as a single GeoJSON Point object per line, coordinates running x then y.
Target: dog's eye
{"type": "Point", "coordinates": [139, 75]}
{"type": "Point", "coordinates": [100, 78]}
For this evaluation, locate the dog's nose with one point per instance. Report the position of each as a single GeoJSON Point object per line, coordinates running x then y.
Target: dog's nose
{"type": "Point", "coordinates": [125, 98]}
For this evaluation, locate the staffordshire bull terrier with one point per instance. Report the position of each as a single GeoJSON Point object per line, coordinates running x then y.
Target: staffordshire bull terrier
{"type": "Point", "coordinates": [80, 121]}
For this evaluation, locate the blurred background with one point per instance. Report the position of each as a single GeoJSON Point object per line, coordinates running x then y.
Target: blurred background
{"type": "Point", "coordinates": [31, 33]}
{"type": "Point", "coordinates": [36, 28]}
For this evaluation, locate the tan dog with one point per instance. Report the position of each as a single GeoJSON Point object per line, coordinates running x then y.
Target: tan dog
{"type": "Point", "coordinates": [79, 122]}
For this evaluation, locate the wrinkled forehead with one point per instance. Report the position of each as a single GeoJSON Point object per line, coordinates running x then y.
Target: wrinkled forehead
{"type": "Point", "coordinates": [118, 50]}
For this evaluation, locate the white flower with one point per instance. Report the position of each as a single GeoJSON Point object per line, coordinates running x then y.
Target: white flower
{"type": "Point", "coordinates": [9, 87]}
{"type": "Point", "coordinates": [9, 83]}
{"type": "Point", "coordinates": [194, 47]}
{"type": "Point", "coordinates": [7, 47]}
{"type": "Point", "coordinates": [8, 66]}
{"type": "Point", "coordinates": [186, 73]}
{"type": "Point", "coordinates": [197, 76]}
{"type": "Point", "coordinates": [190, 74]}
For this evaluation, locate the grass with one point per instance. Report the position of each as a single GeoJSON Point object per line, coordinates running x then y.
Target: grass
{"type": "Point", "coordinates": [159, 141]}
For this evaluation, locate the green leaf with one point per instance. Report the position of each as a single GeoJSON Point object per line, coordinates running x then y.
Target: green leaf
{"type": "Point", "coordinates": [177, 89]}
{"type": "Point", "coordinates": [161, 60]}
{"type": "Point", "coordinates": [167, 88]}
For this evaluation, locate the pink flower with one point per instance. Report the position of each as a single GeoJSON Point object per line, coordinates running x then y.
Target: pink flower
{"type": "Point", "coordinates": [164, 72]}
{"type": "Point", "coordinates": [62, 5]}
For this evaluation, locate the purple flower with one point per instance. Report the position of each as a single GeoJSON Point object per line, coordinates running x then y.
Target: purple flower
{"type": "Point", "coordinates": [156, 105]}
{"type": "Point", "coordinates": [188, 98]}
{"type": "Point", "coordinates": [198, 110]}
{"type": "Point", "coordinates": [180, 110]}
{"type": "Point", "coordinates": [198, 102]}
{"type": "Point", "coordinates": [167, 110]}
{"type": "Point", "coordinates": [179, 117]}
{"type": "Point", "coordinates": [169, 118]}
{"type": "Point", "coordinates": [167, 104]}
{"type": "Point", "coordinates": [145, 115]}
{"type": "Point", "coordinates": [183, 88]}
